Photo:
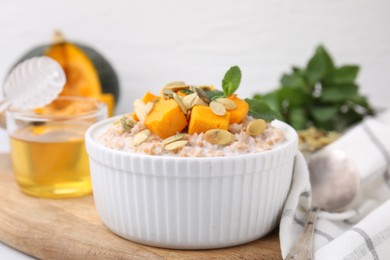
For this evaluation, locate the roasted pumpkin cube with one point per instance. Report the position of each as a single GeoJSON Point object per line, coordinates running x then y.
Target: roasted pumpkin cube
{"type": "Point", "coordinates": [240, 112]}
{"type": "Point", "coordinates": [149, 97]}
{"type": "Point", "coordinates": [203, 119]}
{"type": "Point", "coordinates": [166, 119]}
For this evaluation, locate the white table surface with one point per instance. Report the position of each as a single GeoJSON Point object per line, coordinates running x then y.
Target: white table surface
{"type": "Point", "coordinates": [7, 252]}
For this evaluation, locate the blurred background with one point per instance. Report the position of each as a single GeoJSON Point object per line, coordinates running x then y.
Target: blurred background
{"type": "Point", "coordinates": [150, 43]}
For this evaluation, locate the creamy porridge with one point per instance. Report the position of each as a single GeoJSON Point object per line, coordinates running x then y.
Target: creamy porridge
{"type": "Point", "coordinates": [197, 146]}
{"type": "Point", "coordinates": [191, 121]}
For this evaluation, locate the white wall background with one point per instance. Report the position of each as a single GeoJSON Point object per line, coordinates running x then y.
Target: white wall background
{"type": "Point", "coordinates": [152, 42]}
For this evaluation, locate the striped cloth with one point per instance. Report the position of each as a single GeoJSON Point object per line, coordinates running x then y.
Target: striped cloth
{"type": "Point", "coordinates": [362, 230]}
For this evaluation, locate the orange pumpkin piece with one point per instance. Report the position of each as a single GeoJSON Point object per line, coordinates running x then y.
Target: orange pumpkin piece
{"type": "Point", "coordinates": [81, 77]}
{"type": "Point", "coordinates": [166, 119]}
{"type": "Point", "coordinates": [203, 119]}
{"type": "Point", "coordinates": [134, 116]}
{"type": "Point", "coordinates": [149, 97]}
{"type": "Point", "coordinates": [108, 99]}
{"type": "Point", "coordinates": [181, 93]}
{"type": "Point", "coordinates": [240, 112]}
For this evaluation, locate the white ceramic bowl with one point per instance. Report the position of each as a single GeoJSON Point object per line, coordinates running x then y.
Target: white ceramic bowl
{"type": "Point", "coordinates": [190, 203]}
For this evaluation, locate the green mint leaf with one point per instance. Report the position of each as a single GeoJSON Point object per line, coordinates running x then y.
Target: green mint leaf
{"type": "Point", "coordinates": [186, 91]}
{"type": "Point", "coordinates": [330, 125]}
{"type": "Point", "coordinates": [292, 81]}
{"type": "Point", "coordinates": [298, 118]}
{"type": "Point", "coordinates": [314, 95]}
{"type": "Point", "coordinates": [214, 94]}
{"type": "Point", "coordinates": [295, 97]}
{"type": "Point", "coordinates": [319, 66]}
{"type": "Point", "coordinates": [272, 100]}
{"type": "Point", "coordinates": [345, 74]}
{"type": "Point", "coordinates": [351, 117]}
{"type": "Point", "coordinates": [260, 109]}
{"type": "Point", "coordinates": [363, 102]}
{"type": "Point", "coordinates": [339, 93]}
{"type": "Point", "coordinates": [231, 81]}
{"type": "Point", "coordinates": [324, 114]}
{"type": "Point", "coordinates": [298, 70]}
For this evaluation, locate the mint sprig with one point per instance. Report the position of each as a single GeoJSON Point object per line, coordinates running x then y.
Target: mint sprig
{"type": "Point", "coordinates": [257, 108]}
{"type": "Point", "coordinates": [320, 94]}
{"type": "Point", "coordinates": [231, 81]}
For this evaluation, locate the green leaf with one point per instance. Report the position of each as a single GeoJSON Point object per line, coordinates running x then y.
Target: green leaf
{"type": "Point", "coordinates": [339, 93]}
{"type": "Point", "coordinates": [214, 94]}
{"type": "Point", "coordinates": [231, 81]}
{"type": "Point", "coordinates": [272, 100]}
{"type": "Point", "coordinates": [363, 102]}
{"type": "Point", "coordinates": [345, 74]}
{"type": "Point", "coordinates": [292, 81]}
{"type": "Point", "coordinates": [295, 97]}
{"type": "Point", "coordinates": [186, 91]}
{"type": "Point", "coordinates": [323, 114]}
{"type": "Point", "coordinates": [327, 126]}
{"type": "Point", "coordinates": [260, 109]}
{"type": "Point", "coordinates": [319, 66]}
{"type": "Point", "coordinates": [298, 71]}
{"type": "Point", "coordinates": [351, 117]}
{"type": "Point", "coordinates": [320, 94]}
{"type": "Point", "coordinates": [298, 118]}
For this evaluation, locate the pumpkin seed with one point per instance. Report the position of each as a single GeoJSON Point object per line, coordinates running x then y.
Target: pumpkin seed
{"type": "Point", "coordinates": [141, 137]}
{"type": "Point", "coordinates": [219, 136]}
{"type": "Point", "coordinates": [200, 102]}
{"type": "Point", "coordinates": [188, 116]}
{"type": "Point", "coordinates": [256, 127]}
{"type": "Point", "coordinates": [148, 107]}
{"type": "Point", "coordinates": [127, 122]}
{"type": "Point", "coordinates": [175, 145]}
{"type": "Point", "coordinates": [139, 109]}
{"type": "Point", "coordinates": [175, 83]}
{"type": "Point", "coordinates": [173, 138]}
{"type": "Point", "coordinates": [168, 93]}
{"type": "Point", "coordinates": [180, 103]}
{"type": "Point", "coordinates": [217, 108]}
{"type": "Point", "coordinates": [205, 87]}
{"type": "Point", "coordinates": [192, 88]}
{"type": "Point", "coordinates": [227, 103]}
{"type": "Point", "coordinates": [190, 100]}
{"type": "Point", "coordinates": [117, 122]}
{"type": "Point", "coordinates": [203, 95]}
{"type": "Point", "coordinates": [177, 88]}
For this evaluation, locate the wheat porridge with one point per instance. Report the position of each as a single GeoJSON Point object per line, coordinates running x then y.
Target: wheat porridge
{"type": "Point", "coordinates": [194, 121]}
{"type": "Point", "coordinates": [197, 145]}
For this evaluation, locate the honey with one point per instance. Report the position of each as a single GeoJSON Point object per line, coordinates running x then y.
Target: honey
{"type": "Point", "coordinates": [51, 161]}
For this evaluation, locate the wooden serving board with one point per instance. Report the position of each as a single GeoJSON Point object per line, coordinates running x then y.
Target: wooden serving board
{"type": "Point", "coordinates": [71, 229]}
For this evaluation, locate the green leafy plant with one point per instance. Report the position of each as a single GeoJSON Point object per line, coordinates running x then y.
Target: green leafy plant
{"type": "Point", "coordinates": [321, 95]}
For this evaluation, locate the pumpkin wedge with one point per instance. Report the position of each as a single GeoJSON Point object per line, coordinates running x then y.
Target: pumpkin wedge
{"type": "Point", "coordinates": [88, 73]}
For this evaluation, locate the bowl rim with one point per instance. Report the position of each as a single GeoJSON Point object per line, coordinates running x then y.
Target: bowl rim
{"type": "Point", "coordinates": [91, 142]}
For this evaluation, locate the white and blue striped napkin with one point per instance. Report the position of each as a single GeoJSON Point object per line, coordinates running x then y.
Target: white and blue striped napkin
{"type": "Point", "coordinates": [362, 231]}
